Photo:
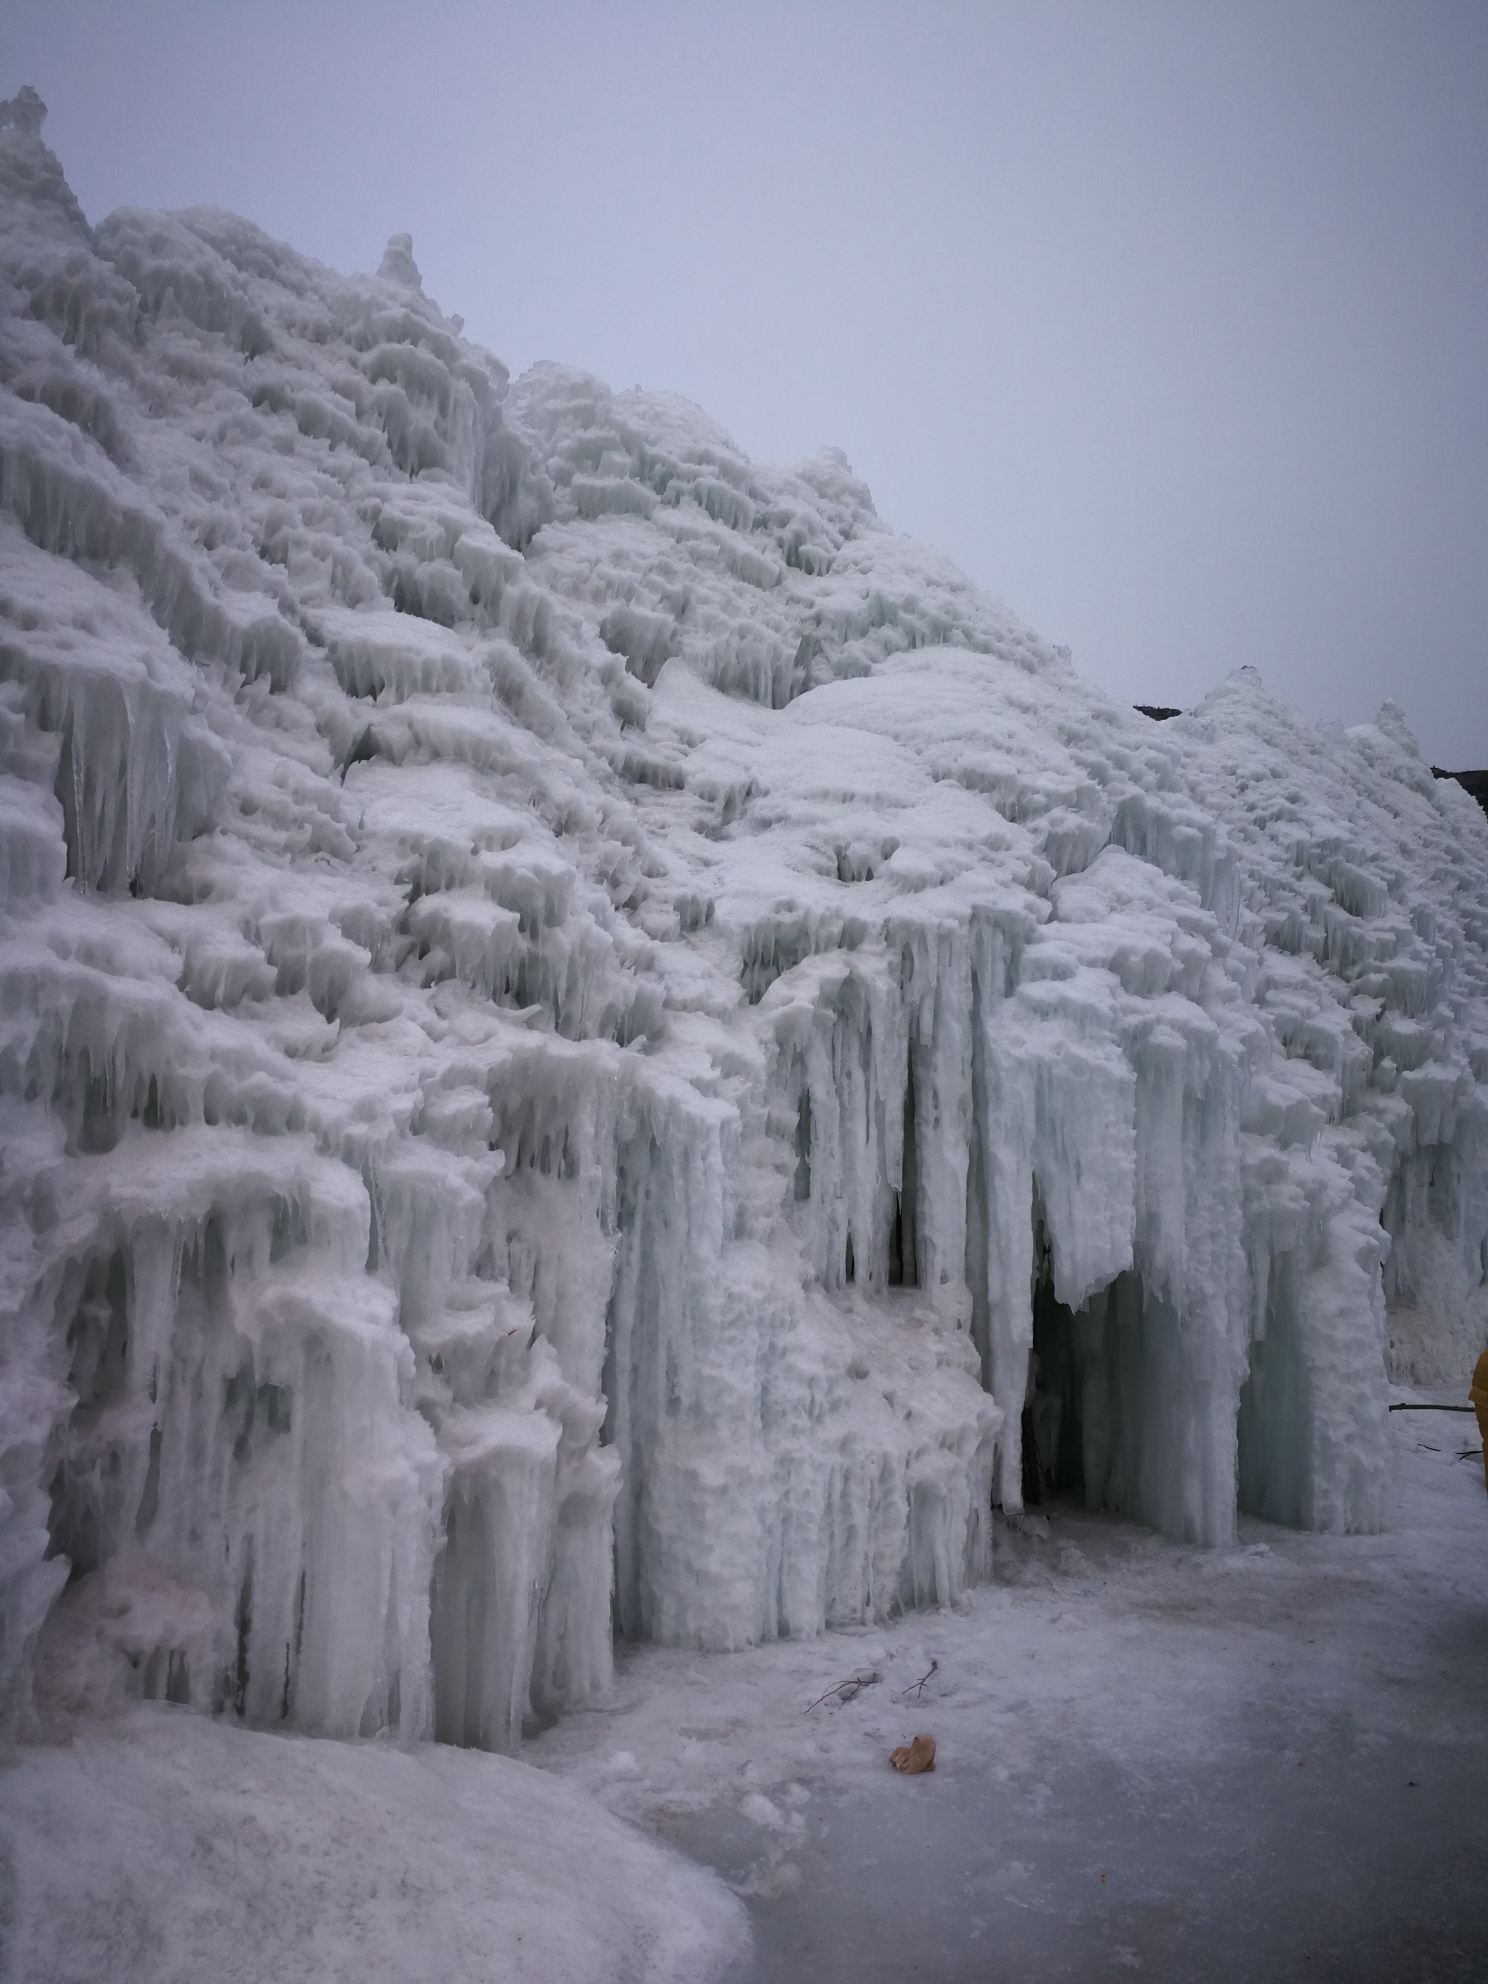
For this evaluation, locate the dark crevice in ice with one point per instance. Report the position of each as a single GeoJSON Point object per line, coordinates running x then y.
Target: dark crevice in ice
{"type": "Point", "coordinates": [803, 1146]}
{"type": "Point", "coordinates": [904, 1265]}
{"type": "Point", "coordinates": [1053, 1437]}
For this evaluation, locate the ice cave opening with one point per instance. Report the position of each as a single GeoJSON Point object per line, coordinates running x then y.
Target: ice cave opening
{"type": "Point", "coordinates": [1119, 1413]}
{"type": "Point", "coordinates": [1053, 1420]}
{"type": "Point", "coordinates": [1094, 1409]}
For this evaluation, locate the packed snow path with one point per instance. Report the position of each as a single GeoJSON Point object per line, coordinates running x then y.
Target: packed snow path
{"type": "Point", "coordinates": [591, 1038]}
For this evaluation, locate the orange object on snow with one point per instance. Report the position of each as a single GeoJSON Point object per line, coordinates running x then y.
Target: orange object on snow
{"type": "Point", "coordinates": [1479, 1397]}
{"type": "Point", "coordinates": [914, 1757]}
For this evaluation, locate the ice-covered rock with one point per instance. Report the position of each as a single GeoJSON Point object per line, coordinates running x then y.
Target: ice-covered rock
{"type": "Point", "coordinates": [591, 1039]}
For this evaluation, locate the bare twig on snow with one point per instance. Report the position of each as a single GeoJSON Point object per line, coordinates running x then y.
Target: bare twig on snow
{"type": "Point", "coordinates": [847, 1690]}
{"type": "Point", "coordinates": [917, 1688]}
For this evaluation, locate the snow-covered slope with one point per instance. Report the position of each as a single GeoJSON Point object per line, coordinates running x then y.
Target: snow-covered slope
{"type": "Point", "coordinates": [573, 1008]}
{"type": "Point", "coordinates": [160, 1848]}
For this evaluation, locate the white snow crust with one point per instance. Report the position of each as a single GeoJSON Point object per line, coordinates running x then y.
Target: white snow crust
{"type": "Point", "coordinates": [571, 1006]}
{"type": "Point", "coordinates": [164, 1848]}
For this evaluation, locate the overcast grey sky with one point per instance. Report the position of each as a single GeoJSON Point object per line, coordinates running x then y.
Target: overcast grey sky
{"type": "Point", "coordinates": [1168, 322]}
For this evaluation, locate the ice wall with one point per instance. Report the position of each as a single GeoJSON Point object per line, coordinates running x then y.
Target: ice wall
{"type": "Point", "coordinates": [567, 999]}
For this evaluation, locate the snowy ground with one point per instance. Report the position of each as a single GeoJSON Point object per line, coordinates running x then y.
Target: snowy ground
{"type": "Point", "coordinates": [1270, 1763]}
{"type": "Point", "coordinates": [164, 1848]}
{"type": "Point", "coordinates": [1264, 1763]}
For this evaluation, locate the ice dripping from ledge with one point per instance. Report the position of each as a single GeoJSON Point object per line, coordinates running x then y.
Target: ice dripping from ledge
{"type": "Point", "coordinates": [591, 1039]}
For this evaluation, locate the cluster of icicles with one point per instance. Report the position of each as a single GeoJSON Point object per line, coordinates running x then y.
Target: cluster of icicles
{"type": "Point", "coordinates": [592, 1042]}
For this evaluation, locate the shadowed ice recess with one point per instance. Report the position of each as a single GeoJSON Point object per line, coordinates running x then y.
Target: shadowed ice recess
{"type": "Point", "coordinates": [592, 1041]}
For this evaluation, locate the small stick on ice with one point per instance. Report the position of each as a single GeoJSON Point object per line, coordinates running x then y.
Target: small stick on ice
{"type": "Point", "coordinates": [1414, 1407]}
{"type": "Point", "coordinates": [917, 1688]}
{"type": "Point", "coordinates": [845, 1691]}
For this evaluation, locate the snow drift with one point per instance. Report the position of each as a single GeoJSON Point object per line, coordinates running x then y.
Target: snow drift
{"type": "Point", "coordinates": [591, 1040]}
{"type": "Point", "coordinates": [162, 1847]}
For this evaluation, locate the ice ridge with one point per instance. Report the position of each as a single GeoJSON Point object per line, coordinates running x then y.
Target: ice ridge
{"type": "Point", "coordinates": [591, 1040]}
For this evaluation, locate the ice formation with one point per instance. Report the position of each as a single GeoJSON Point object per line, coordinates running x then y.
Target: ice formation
{"type": "Point", "coordinates": [591, 1041]}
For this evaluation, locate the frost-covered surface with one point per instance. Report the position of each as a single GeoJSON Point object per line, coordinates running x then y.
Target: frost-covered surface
{"type": "Point", "coordinates": [163, 1848]}
{"type": "Point", "coordinates": [1265, 1762]}
{"type": "Point", "coordinates": [572, 1006]}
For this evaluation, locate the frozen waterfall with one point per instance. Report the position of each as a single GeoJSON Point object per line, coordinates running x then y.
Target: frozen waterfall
{"type": "Point", "coordinates": [591, 1041]}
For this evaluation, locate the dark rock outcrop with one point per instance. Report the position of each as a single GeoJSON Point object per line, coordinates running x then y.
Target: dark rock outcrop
{"type": "Point", "coordinates": [1474, 782]}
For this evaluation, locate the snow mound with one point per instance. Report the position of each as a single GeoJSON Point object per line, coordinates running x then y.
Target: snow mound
{"type": "Point", "coordinates": [168, 1847]}
{"type": "Point", "coordinates": [591, 1038]}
